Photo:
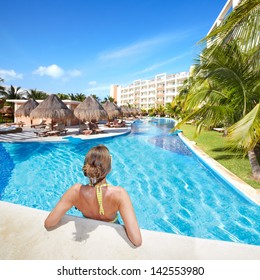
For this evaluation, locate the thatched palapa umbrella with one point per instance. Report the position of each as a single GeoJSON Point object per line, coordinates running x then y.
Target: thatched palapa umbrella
{"type": "Point", "coordinates": [90, 110]}
{"type": "Point", "coordinates": [112, 110]}
{"type": "Point", "coordinates": [52, 108]}
{"type": "Point", "coordinates": [25, 109]}
{"type": "Point", "coordinates": [134, 111]}
{"type": "Point", "coordinates": [126, 112]}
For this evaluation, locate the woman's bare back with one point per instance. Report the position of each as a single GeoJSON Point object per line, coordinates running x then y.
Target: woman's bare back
{"type": "Point", "coordinates": [86, 201]}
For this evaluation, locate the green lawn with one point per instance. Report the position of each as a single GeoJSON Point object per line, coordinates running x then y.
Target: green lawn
{"type": "Point", "coordinates": [213, 143]}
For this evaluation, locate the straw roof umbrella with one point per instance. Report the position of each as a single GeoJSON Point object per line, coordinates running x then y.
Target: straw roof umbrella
{"type": "Point", "coordinates": [125, 111]}
{"type": "Point", "coordinates": [133, 111]}
{"type": "Point", "coordinates": [139, 111]}
{"type": "Point", "coordinates": [25, 109]}
{"type": "Point", "coordinates": [90, 110]}
{"type": "Point", "coordinates": [52, 108]}
{"type": "Point", "coordinates": [112, 110]}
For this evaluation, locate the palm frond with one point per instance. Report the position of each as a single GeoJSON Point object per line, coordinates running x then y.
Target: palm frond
{"type": "Point", "coordinates": [242, 23]}
{"type": "Point", "coordinates": [245, 134]}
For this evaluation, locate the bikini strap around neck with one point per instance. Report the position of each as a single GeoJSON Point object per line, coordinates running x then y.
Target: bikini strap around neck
{"type": "Point", "coordinates": [100, 198]}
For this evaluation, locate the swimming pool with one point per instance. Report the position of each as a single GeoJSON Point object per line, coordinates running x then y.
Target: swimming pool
{"type": "Point", "coordinates": [172, 191]}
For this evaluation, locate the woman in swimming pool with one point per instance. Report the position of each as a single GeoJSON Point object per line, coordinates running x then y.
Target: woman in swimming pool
{"type": "Point", "coordinates": [98, 200]}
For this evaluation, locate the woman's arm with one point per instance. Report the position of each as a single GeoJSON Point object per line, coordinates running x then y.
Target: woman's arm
{"type": "Point", "coordinates": [128, 215]}
{"type": "Point", "coordinates": [65, 203]}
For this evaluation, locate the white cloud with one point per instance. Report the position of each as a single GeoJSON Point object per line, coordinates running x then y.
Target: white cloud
{"type": "Point", "coordinates": [134, 49]}
{"type": "Point", "coordinates": [74, 73]}
{"type": "Point", "coordinates": [55, 72]}
{"type": "Point", "coordinates": [9, 75]}
{"type": "Point", "coordinates": [165, 62]}
{"type": "Point", "coordinates": [92, 83]}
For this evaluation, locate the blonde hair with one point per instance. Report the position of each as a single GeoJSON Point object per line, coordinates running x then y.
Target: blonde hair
{"type": "Point", "coordinates": [97, 164]}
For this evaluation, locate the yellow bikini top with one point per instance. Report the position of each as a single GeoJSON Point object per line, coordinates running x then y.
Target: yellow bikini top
{"type": "Point", "coordinates": [99, 197]}
{"type": "Point", "coordinates": [100, 200]}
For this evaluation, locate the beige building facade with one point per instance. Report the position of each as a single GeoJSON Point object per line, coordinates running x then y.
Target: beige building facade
{"type": "Point", "coordinates": [147, 94]}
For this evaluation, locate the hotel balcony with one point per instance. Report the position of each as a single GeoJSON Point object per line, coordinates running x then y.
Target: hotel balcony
{"type": "Point", "coordinates": [160, 88]}
{"type": "Point", "coordinates": [170, 77]}
{"type": "Point", "coordinates": [160, 94]}
{"type": "Point", "coordinates": [170, 92]}
{"type": "Point", "coordinates": [159, 102]}
{"type": "Point", "coordinates": [170, 85]}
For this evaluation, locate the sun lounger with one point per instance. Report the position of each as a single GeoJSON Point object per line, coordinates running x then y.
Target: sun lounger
{"type": "Point", "coordinates": [7, 130]}
{"type": "Point", "coordinates": [219, 129]}
{"type": "Point", "coordinates": [61, 128]}
{"type": "Point", "coordinates": [41, 133]}
{"type": "Point", "coordinates": [94, 127]}
{"type": "Point", "coordinates": [19, 124]}
{"type": "Point", "coordinates": [87, 132]}
{"type": "Point", "coordinates": [53, 133]}
{"type": "Point", "coordinates": [190, 122]}
{"type": "Point", "coordinates": [82, 127]}
{"type": "Point", "coordinates": [116, 123]}
{"type": "Point", "coordinates": [40, 125]}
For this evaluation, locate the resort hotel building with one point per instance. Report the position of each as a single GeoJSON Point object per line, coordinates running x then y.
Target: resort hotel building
{"type": "Point", "coordinates": [161, 89]}
{"type": "Point", "coordinates": [147, 94]}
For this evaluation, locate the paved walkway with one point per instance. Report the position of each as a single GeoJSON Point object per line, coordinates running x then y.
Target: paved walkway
{"type": "Point", "coordinates": [28, 134]}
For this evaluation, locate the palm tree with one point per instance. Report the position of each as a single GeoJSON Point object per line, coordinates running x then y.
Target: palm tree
{"type": "Point", "coordinates": [226, 82]}
{"type": "Point", "coordinates": [11, 93]}
{"type": "Point", "coordinates": [243, 24]}
{"type": "Point", "coordinates": [108, 98]}
{"type": "Point", "coordinates": [63, 96]}
{"type": "Point", "coordinates": [95, 97]}
{"type": "Point", "coordinates": [36, 94]}
{"type": "Point", "coordinates": [80, 97]}
{"type": "Point", "coordinates": [176, 108]}
{"type": "Point", "coordinates": [245, 134]}
{"type": "Point", "coordinates": [224, 92]}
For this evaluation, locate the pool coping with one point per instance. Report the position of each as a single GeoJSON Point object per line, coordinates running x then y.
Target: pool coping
{"type": "Point", "coordinates": [23, 237]}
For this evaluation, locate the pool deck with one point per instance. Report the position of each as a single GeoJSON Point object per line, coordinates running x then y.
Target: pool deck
{"type": "Point", "coordinates": [23, 236]}
{"type": "Point", "coordinates": [28, 134]}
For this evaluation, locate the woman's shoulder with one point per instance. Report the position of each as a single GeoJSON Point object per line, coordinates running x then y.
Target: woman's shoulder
{"type": "Point", "coordinates": [119, 192]}
{"type": "Point", "coordinates": [76, 187]}
{"type": "Point", "coordinates": [116, 188]}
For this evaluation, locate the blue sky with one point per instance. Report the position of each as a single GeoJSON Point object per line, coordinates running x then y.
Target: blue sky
{"type": "Point", "coordinates": [83, 46]}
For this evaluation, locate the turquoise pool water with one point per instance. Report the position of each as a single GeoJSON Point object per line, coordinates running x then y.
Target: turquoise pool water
{"type": "Point", "coordinates": [172, 191]}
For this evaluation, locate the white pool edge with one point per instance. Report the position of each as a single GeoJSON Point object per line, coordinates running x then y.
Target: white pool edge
{"type": "Point", "coordinates": [239, 185]}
